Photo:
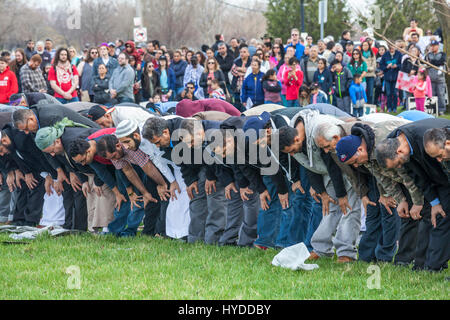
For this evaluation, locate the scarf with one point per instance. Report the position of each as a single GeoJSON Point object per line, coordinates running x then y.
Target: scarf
{"type": "Point", "coordinates": [45, 137]}
{"type": "Point", "coordinates": [61, 70]}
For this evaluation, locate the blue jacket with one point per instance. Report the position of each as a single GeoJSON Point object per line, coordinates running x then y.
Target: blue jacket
{"type": "Point", "coordinates": [324, 79]}
{"type": "Point", "coordinates": [321, 98]}
{"type": "Point", "coordinates": [179, 69]}
{"type": "Point", "coordinates": [112, 64]}
{"type": "Point", "coordinates": [171, 79]}
{"type": "Point", "coordinates": [299, 50]}
{"type": "Point", "coordinates": [390, 74]}
{"type": "Point", "coordinates": [357, 93]}
{"type": "Point", "coordinates": [253, 88]}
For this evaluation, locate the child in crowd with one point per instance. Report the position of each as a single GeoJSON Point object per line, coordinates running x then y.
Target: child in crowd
{"type": "Point", "coordinates": [293, 80]}
{"type": "Point", "coordinates": [317, 95]}
{"type": "Point", "coordinates": [271, 87]}
{"type": "Point", "coordinates": [342, 79]}
{"type": "Point", "coordinates": [420, 89]}
{"type": "Point", "coordinates": [380, 96]}
{"type": "Point", "coordinates": [358, 96]}
{"type": "Point", "coordinates": [217, 92]}
{"type": "Point", "coordinates": [304, 96]}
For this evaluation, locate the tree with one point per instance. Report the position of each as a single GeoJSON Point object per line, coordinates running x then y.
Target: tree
{"type": "Point", "coordinates": [396, 15]}
{"type": "Point", "coordinates": [283, 15]}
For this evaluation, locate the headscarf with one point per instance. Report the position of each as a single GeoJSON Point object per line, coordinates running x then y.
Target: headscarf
{"type": "Point", "coordinates": [45, 137]}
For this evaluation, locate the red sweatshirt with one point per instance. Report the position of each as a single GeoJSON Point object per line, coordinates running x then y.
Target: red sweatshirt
{"type": "Point", "coordinates": [8, 85]}
{"type": "Point", "coordinates": [292, 85]}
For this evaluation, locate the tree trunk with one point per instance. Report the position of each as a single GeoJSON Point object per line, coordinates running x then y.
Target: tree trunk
{"type": "Point", "coordinates": [443, 12]}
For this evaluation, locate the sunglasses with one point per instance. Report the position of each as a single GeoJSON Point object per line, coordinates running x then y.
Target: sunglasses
{"type": "Point", "coordinates": [211, 63]}
{"type": "Point", "coordinates": [191, 88]}
{"type": "Point", "coordinates": [94, 52]}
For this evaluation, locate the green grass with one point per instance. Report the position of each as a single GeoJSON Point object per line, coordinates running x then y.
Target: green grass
{"type": "Point", "coordinates": [149, 268]}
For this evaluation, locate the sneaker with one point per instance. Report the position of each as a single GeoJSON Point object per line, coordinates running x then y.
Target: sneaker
{"type": "Point", "coordinates": [260, 247]}
{"type": "Point", "coordinates": [345, 259]}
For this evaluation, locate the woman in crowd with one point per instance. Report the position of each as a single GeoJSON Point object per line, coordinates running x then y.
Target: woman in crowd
{"type": "Point", "coordinates": [323, 77]}
{"type": "Point", "coordinates": [410, 66]}
{"type": "Point", "coordinates": [277, 55]}
{"type": "Point", "coordinates": [73, 58]}
{"type": "Point", "coordinates": [149, 82]}
{"type": "Point", "coordinates": [358, 66]}
{"type": "Point", "coordinates": [212, 71]}
{"type": "Point", "coordinates": [100, 86]}
{"type": "Point", "coordinates": [86, 71]}
{"type": "Point", "coordinates": [369, 58]}
{"type": "Point", "coordinates": [201, 58]}
{"type": "Point", "coordinates": [167, 80]}
{"type": "Point", "coordinates": [17, 63]}
{"type": "Point", "coordinates": [252, 87]}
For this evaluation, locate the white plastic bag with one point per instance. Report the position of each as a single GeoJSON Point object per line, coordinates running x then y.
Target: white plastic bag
{"type": "Point", "coordinates": [294, 258]}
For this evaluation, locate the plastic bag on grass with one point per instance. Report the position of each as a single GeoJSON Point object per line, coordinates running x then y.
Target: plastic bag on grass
{"type": "Point", "coordinates": [294, 258]}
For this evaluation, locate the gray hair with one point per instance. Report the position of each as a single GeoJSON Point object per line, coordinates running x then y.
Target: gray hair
{"type": "Point", "coordinates": [387, 149]}
{"type": "Point", "coordinates": [21, 116]}
{"type": "Point", "coordinates": [154, 127]}
{"type": "Point", "coordinates": [327, 131]}
{"type": "Point", "coordinates": [436, 136]}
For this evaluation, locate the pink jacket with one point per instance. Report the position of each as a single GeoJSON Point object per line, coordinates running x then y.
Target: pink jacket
{"type": "Point", "coordinates": [187, 108]}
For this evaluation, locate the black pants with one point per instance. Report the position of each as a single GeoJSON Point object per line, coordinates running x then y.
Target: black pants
{"type": "Point", "coordinates": [76, 209]}
{"type": "Point", "coordinates": [420, 242]}
{"type": "Point", "coordinates": [28, 211]}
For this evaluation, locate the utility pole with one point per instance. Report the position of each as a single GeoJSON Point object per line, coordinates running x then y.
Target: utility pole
{"type": "Point", "coordinates": [139, 12]}
{"type": "Point", "coordinates": [302, 14]}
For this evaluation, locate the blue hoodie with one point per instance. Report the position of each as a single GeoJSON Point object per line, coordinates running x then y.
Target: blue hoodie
{"type": "Point", "coordinates": [253, 88]}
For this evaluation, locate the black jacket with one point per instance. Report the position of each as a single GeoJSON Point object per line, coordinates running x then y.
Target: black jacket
{"type": "Point", "coordinates": [426, 171]}
{"type": "Point", "coordinates": [99, 87]}
{"type": "Point", "coordinates": [49, 114]}
{"type": "Point", "coordinates": [225, 64]}
{"type": "Point", "coordinates": [217, 75]}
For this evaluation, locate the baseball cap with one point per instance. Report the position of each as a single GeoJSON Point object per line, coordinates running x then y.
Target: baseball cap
{"type": "Point", "coordinates": [347, 146]}
{"type": "Point", "coordinates": [98, 111]}
{"type": "Point", "coordinates": [257, 123]}
{"type": "Point", "coordinates": [434, 42]}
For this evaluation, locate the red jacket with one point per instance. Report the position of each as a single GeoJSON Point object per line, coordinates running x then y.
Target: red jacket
{"type": "Point", "coordinates": [134, 53]}
{"type": "Point", "coordinates": [292, 85]}
{"type": "Point", "coordinates": [8, 85]}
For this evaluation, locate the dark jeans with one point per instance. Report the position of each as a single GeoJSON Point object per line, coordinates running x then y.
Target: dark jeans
{"type": "Point", "coordinates": [370, 81]}
{"type": "Point", "coordinates": [28, 211]}
{"type": "Point", "coordinates": [75, 208]}
{"type": "Point", "coordinates": [153, 224]}
{"type": "Point", "coordinates": [316, 218]}
{"type": "Point", "coordinates": [65, 101]}
{"type": "Point", "coordinates": [379, 242]}
{"type": "Point", "coordinates": [391, 94]}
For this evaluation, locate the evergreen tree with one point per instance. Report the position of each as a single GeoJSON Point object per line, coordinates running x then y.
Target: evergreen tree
{"type": "Point", "coordinates": [283, 15]}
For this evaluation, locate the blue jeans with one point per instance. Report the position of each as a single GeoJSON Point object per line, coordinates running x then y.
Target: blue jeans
{"type": "Point", "coordinates": [65, 101]}
{"type": "Point", "coordinates": [274, 223]}
{"type": "Point", "coordinates": [125, 99]}
{"type": "Point", "coordinates": [316, 218]}
{"type": "Point", "coordinates": [302, 205]}
{"type": "Point", "coordinates": [370, 81]}
{"type": "Point", "coordinates": [391, 94]}
{"type": "Point", "coordinates": [379, 242]}
{"type": "Point", "coordinates": [126, 222]}
{"type": "Point", "coordinates": [271, 102]}
{"type": "Point", "coordinates": [358, 112]}
{"type": "Point", "coordinates": [292, 103]}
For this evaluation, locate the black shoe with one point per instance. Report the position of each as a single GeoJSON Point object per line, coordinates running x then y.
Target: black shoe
{"type": "Point", "coordinates": [402, 263]}
{"type": "Point", "coordinates": [418, 268]}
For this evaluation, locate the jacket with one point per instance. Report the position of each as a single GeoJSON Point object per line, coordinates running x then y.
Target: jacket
{"type": "Point", "coordinates": [187, 108]}
{"type": "Point", "coordinates": [252, 88]}
{"type": "Point", "coordinates": [309, 67]}
{"type": "Point", "coordinates": [49, 114]}
{"type": "Point", "coordinates": [321, 97]}
{"type": "Point", "coordinates": [217, 75]}
{"type": "Point", "coordinates": [225, 64]}
{"type": "Point", "coordinates": [171, 79]}
{"type": "Point", "coordinates": [388, 180]}
{"type": "Point", "coordinates": [134, 52]}
{"type": "Point", "coordinates": [357, 93]}
{"type": "Point", "coordinates": [179, 68]}
{"type": "Point", "coordinates": [390, 74]}
{"type": "Point", "coordinates": [122, 80]}
{"type": "Point", "coordinates": [238, 78]}
{"type": "Point", "coordinates": [192, 74]}
{"type": "Point", "coordinates": [324, 79]}
{"type": "Point", "coordinates": [426, 171]}
{"type": "Point", "coordinates": [371, 65]}
{"type": "Point", "coordinates": [100, 87]}
{"type": "Point", "coordinates": [342, 82]}
{"type": "Point", "coordinates": [272, 89]}
{"type": "Point", "coordinates": [292, 85]}
{"type": "Point", "coordinates": [110, 66]}
{"type": "Point", "coordinates": [145, 84]}
{"type": "Point", "coordinates": [8, 85]}
{"type": "Point", "coordinates": [438, 60]}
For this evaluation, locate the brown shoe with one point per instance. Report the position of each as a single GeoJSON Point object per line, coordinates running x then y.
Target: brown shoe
{"type": "Point", "coordinates": [313, 256]}
{"type": "Point", "coordinates": [344, 259]}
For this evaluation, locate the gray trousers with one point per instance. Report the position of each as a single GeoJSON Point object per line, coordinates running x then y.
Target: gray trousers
{"type": "Point", "coordinates": [344, 104]}
{"type": "Point", "coordinates": [344, 228]}
{"type": "Point", "coordinates": [208, 213]}
{"type": "Point", "coordinates": [438, 89]}
{"type": "Point", "coordinates": [5, 201]}
{"type": "Point", "coordinates": [242, 216]}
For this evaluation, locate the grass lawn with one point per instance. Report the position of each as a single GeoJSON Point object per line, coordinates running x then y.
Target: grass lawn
{"type": "Point", "coordinates": [149, 268]}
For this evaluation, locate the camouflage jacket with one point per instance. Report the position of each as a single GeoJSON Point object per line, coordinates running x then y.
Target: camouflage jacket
{"type": "Point", "coordinates": [389, 180]}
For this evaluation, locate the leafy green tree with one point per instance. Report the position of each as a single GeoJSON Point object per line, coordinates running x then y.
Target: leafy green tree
{"type": "Point", "coordinates": [283, 15]}
{"type": "Point", "coordinates": [396, 15]}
